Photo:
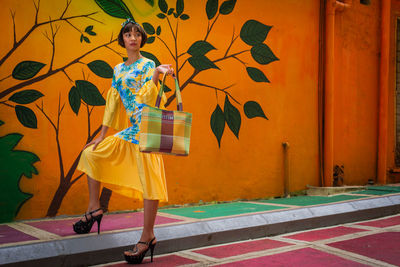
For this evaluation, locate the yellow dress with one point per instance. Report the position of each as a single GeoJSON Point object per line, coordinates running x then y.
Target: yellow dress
{"type": "Point", "coordinates": [117, 162]}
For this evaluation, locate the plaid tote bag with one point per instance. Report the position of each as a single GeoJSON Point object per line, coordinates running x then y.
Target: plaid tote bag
{"type": "Point", "coordinates": [165, 131]}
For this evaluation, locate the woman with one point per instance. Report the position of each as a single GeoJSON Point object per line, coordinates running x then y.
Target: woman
{"type": "Point", "coordinates": [115, 160]}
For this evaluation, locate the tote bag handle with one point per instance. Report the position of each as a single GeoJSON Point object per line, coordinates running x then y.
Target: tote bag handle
{"type": "Point", "coordinates": [177, 94]}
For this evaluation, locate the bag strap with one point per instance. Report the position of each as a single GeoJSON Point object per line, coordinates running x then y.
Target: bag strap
{"type": "Point", "coordinates": [177, 94]}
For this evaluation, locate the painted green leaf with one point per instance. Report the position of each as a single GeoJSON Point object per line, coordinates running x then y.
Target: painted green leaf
{"type": "Point", "coordinates": [201, 62]}
{"type": "Point", "coordinates": [81, 38]}
{"type": "Point", "coordinates": [13, 164]}
{"type": "Point", "coordinates": [1, 123]}
{"type": "Point", "coordinates": [26, 96]}
{"type": "Point", "coordinates": [74, 99]}
{"type": "Point", "coordinates": [162, 4]}
{"type": "Point", "coordinates": [227, 7]}
{"type": "Point", "coordinates": [232, 117]}
{"type": "Point", "coordinates": [89, 93]}
{"type": "Point", "coordinates": [26, 70]}
{"type": "Point", "coordinates": [256, 75]}
{"type": "Point", "coordinates": [254, 32]}
{"type": "Point", "coordinates": [101, 68]}
{"type": "Point", "coordinates": [148, 28]}
{"type": "Point", "coordinates": [86, 39]}
{"type": "Point", "coordinates": [26, 116]}
{"type": "Point", "coordinates": [200, 48]}
{"type": "Point", "coordinates": [184, 17]}
{"type": "Point", "coordinates": [252, 109]}
{"type": "Point", "coordinates": [158, 32]}
{"type": "Point", "coordinates": [151, 56]}
{"type": "Point", "coordinates": [92, 33]}
{"type": "Point", "coordinates": [150, 39]}
{"type": "Point", "coordinates": [89, 28]}
{"type": "Point", "coordinates": [179, 7]}
{"type": "Point", "coordinates": [150, 2]}
{"type": "Point", "coordinates": [217, 123]}
{"type": "Point", "coordinates": [161, 16]}
{"type": "Point", "coordinates": [211, 8]}
{"type": "Point", "coordinates": [10, 141]}
{"type": "Point", "coordinates": [170, 11]}
{"type": "Point", "coordinates": [263, 54]}
{"type": "Point", "coordinates": [115, 8]}
{"type": "Point", "coordinates": [176, 15]}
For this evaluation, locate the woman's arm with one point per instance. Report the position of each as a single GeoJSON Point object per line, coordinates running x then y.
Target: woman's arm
{"type": "Point", "coordinates": [103, 131]}
{"type": "Point", "coordinates": [97, 140]}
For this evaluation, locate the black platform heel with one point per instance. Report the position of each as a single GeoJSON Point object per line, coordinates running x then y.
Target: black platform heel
{"type": "Point", "coordinates": [136, 259]}
{"type": "Point", "coordinates": [82, 227]}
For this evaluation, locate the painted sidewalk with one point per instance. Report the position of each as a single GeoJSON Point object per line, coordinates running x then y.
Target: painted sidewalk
{"type": "Point", "coordinates": [368, 243]}
{"type": "Point", "coordinates": [53, 242]}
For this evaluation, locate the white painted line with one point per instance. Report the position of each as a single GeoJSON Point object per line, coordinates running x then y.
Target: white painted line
{"type": "Point", "coordinates": [177, 217]}
{"type": "Point", "coordinates": [197, 256]}
{"type": "Point", "coordinates": [352, 256]}
{"type": "Point", "coordinates": [33, 231]}
{"type": "Point", "coordinates": [259, 254]}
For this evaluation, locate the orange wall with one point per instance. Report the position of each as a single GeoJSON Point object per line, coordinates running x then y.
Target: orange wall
{"type": "Point", "coordinates": [357, 48]}
{"type": "Point", "coordinates": [244, 168]}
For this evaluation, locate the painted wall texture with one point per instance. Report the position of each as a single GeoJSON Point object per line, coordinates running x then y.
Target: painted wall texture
{"type": "Point", "coordinates": [249, 73]}
{"type": "Point", "coordinates": [357, 47]}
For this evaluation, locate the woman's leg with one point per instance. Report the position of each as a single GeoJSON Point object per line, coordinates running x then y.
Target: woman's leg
{"type": "Point", "coordinates": [150, 212]}
{"type": "Point", "coordinates": [94, 191]}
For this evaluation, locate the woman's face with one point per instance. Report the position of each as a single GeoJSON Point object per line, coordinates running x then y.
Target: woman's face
{"type": "Point", "coordinates": [132, 40]}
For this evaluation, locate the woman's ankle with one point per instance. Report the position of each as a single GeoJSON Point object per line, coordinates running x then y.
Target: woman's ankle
{"type": "Point", "coordinates": [96, 209]}
{"type": "Point", "coordinates": [147, 236]}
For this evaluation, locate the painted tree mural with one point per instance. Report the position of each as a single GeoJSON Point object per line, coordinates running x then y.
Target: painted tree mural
{"type": "Point", "coordinates": [84, 94]}
{"type": "Point", "coordinates": [13, 164]}
{"type": "Point", "coordinates": [252, 33]}
{"type": "Point", "coordinates": [27, 73]}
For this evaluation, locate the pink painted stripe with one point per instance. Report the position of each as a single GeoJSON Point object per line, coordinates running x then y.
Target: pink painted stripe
{"type": "Point", "coordinates": [11, 235]}
{"type": "Point", "coordinates": [163, 261]}
{"type": "Point", "coordinates": [383, 246]}
{"type": "Point", "coordinates": [383, 222]}
{"type": "Point", "coordinates": [110, 222]}
{"type": "Point", "coordinates": [302, 257]}
{"type": "Point", "coordinates": [241, 248]}
{"type": "Point", "coordinates": [324, 233]}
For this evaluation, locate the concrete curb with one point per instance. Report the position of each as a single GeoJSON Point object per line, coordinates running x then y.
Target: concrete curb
{"type": "Point", "coordinates": [327, 191]}
{"type": "Point", "coordinates": [96, 249]}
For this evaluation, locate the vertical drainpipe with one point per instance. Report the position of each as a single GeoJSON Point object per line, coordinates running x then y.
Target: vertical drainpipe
{"type": "Point", "coordinates": [329, 84]}
{"type": "Point", "coordinates": [331, 7]}
{"type": "Point", "coordinates": [321, 75]}
{"type": "Point", "coordinates": [383, 91]}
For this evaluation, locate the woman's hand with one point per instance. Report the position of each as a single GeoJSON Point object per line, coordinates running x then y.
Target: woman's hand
{"type": "Point", "coordinates": [94, 142]}
{"type": "Point", "coordinates": [166, 69]}
{"type": "Point", "coordinates": [97, 141]}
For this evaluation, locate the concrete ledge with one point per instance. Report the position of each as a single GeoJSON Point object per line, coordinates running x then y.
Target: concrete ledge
{"type": "Point", "coordinates": [108, 247]}
{"type": "Point", "coordinates": [327, 191]}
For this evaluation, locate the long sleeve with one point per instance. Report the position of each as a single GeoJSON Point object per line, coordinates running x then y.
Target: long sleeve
{"type": "Point", "coordinates": [148, 93]}
{"type": "Point", "coordinates": [114, 114]}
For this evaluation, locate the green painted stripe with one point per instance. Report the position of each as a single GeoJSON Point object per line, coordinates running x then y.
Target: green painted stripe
{"type": "Point", "coordinates": [385, 188]}
{"type": "Point", "coordinates": [311, 200]}
{"type": "Point", "coordinates": [373, 192]}
{"type": "Point", "coordinates": [219, 210]}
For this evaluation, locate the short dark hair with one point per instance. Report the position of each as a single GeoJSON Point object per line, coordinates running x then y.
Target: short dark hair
{"type": "Point", "coordinates": [132, 27]}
